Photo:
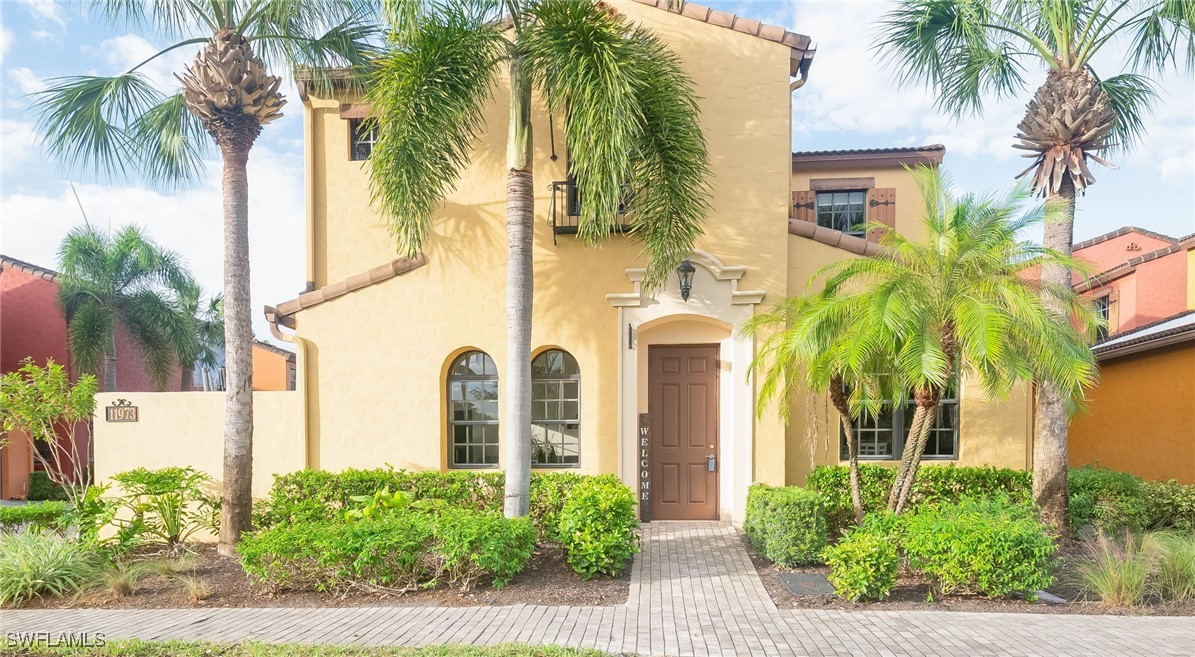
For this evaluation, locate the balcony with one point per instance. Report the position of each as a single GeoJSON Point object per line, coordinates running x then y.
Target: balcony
{"type": "Point", "coordinates": [564, 215]}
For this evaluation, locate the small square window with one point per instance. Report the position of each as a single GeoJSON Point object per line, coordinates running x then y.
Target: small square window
{"type": "Point", "coordinates": [363, 134]}
{"type": "Point", "coordinates": [842, 210]}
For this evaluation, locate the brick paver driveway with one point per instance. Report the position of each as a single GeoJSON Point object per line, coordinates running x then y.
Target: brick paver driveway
{"type": "Point", "coordinates": [693, 592]}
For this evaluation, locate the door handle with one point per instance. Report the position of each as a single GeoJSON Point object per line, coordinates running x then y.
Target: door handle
{"type": "Point", "coordinates": [711, 463]}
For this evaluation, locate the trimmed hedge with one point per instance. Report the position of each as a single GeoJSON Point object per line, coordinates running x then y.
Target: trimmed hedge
{"type": "Point", "coordinates": [1113, 502]}
{"type": "Point", "coordinates": [992, 547]}
{"type": "Point", "coordinates": [1170, 504]}
{"type": "Point", "coordinates": [786, 524]}
{"type": "Point", "coordinates": [935, 484]}
{"type": "Point", "coordinates": [37, 515]}
{"type": "Point", "coordinates": [315, 495]}
{"type": "Point", "coordinates": [42, 489]}
{"type": "Point", "coordinates": [597, 527]}
{"type": "Point", "coordinates": [863, 566]}
{"type": "Point", "coordinates": [406, 551]}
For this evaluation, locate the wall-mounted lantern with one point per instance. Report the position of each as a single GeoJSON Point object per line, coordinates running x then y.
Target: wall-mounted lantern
{"type": "Point", "coordinates": [685, 273]}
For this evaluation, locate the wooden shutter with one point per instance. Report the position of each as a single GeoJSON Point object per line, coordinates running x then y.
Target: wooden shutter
{"type": "Point", "coordinates": [803, 206]}
{"type": "Point", "coordinates": [881, 208]}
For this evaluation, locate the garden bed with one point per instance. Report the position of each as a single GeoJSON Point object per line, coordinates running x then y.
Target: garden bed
{"type": "Point", "coordinates": [547, 580]}
{"type": "Point", "coordinates": [911, 593]}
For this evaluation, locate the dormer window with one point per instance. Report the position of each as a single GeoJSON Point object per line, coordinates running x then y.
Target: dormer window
{"type": "Point", "coordinates": [363, 134]}
{"type": "Point", "coordinates": [842, 210]}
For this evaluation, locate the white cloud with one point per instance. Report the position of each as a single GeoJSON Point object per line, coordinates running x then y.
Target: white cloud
{"type": "Point", "coordinates": [6, 41]}
{"type": "Point", "coordinates": [189, 222]}
{"type": "Point", "coordinates": [18, 142]}
{"type": "Point", "coordinates": [123, 52]}
{"type": "Point", "coordinates": [45, 11]}
{"type": "Point", "coordinates": [25, 80]}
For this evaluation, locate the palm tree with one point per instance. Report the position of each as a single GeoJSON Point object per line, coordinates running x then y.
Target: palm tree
{"type": "Point", "coordinates": [965, 49]}
{"type": "Point", "coordinates": [207, 325]}
{"type": "Point", "coordinates": [961, 303]}
{"type": "Point", "coordinates": [122, 125]}
{"type": "Point", "coordinates": [629, 113]}
{"type": "Point", "coordinates": [805, 347]}
{"type": "Point", "coordinates": [121, 281]}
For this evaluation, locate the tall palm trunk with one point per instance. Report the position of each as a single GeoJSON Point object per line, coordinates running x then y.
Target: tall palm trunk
{"type": "Point", "coordinates": [236, 499]}
{"type": "Point", "coordinates": [838, 398]}
{"type": "Point", "coordinates": [1050, 490]}
{"type": "Point", "coordinates": [520, 224]}
{"type": "Point", "coordinates": [110, 362]}
{"type": "Point", "coordinates": [910, 457]}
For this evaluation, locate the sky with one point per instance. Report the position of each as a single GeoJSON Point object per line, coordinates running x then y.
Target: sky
{"type": "Point", "coordinates": [850, 101]}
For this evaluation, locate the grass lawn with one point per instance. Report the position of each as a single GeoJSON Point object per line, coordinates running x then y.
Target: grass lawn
{"type": "Point", "coordinates": [180, 649]}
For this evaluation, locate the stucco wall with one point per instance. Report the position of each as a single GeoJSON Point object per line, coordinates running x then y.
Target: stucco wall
{"type": "Point", "coordinates": [1141, 417]}
{"type": "Point", "coordinates": [271, 370]}
{"type": "Point", "coordinates": [1106, 255]}
{"type": "Point", "coordinates": [377, 357]}
{"type": "Point", "coordinates": [187, 429]}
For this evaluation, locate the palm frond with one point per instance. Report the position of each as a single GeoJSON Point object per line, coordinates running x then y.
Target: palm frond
{"type": "Point", "coordinates": [171, 17]}
{"type": "Point", "coordinates": [89, 334]}
{"type": "Point", "coordinates": [1163, 35]}
{"type": "Point", "coordinates": [342, 35]}
{"type": "Point", "coordinates": [171, 141]}
{"type": "Point", "coordinates": [86, 121]}
{"type": "Point", "coordinates": [428, 97]}
{"type": "Point", "coordinates": [1132, 97]}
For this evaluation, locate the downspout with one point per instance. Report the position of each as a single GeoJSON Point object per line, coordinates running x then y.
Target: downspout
{"type": "Point", "coordinates": [803, 70]}
{"type": "Point", "coordinates": [309, 181]}
{"type": "Point", "coordinates": [273, 318]}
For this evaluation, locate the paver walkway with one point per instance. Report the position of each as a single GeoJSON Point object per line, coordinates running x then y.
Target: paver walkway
{"type": "Point", "coordinates": [693, 592]}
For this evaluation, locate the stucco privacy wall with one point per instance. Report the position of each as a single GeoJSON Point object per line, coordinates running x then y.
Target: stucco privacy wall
{"type": "Point", "coordinates": [1141, 417]}
{"type": "Point", "coordinates": [377, 357]}
{"type": "Point", "coordinates": [187, 429]}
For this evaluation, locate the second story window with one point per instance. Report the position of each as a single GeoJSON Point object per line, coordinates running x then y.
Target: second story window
{"type": "Point", "coordinates": [842, 210]}
{"type": "Point", "coordinates": [363, 135]}
{"type": "Point", "coordinates": [1103, 307]}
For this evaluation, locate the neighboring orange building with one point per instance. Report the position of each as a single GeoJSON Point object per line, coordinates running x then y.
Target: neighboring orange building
{"type": "Point", "coordinates": [1141, 416]}
{"type": "Point", "coordinates": [1138, 276]}
{"type": "Point", "coordinates": [273, 367]}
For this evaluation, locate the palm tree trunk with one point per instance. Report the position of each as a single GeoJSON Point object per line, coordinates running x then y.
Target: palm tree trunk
{"type": "Point", "coordinates": [236, 498]}
{"type": "Point", "coordinates": [110, 362]}
{"type": "Point", "coordinates": [910, 457]}
{"type": "Point", "coordinates": [1050, 490]}
{"type": "Point", "coordinates": [186, 380]}
{"type": "Point", "coordinates": [520, 224]}
{"type": "Point", "coordinates": [920, 431]}
{"type": "Point", "coordinates": [838, 398]}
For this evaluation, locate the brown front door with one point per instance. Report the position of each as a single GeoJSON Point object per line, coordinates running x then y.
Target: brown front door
{"type": "Point", "coordinates": [683, 404]}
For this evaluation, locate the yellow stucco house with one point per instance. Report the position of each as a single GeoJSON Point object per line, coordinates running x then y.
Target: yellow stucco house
{"type": "Point", "coordinates": [399, 359]}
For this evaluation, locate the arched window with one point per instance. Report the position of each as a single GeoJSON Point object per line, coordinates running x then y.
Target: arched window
{"type": "Point", "coordinates": [473, 411]}
{"type": "Point", "coordinates": [555, 410]}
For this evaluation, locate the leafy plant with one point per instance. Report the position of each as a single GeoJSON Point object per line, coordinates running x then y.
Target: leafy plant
{"type": "Point", "coordinates": [988, 546]}
{"type": "Point", "coordinates": [39, 516]}
{"type": "Point", "coordinates": [863, 565]}
{"type": "Point", "coordinates": [597, 527]}
{"type": "Point", "coordinates": [42, 488]}
{"type": "Point", "coordinates": [1114, 502]}
{"type": "Point", "coordinates": [1170, 504]}
{"type": "Point", "coordinates": [398, 552]}
{"type": "Point", "coordinates": [33, 564]}
{"type": "Point", "coordinates": [380, 503]}
{"type": "Point", "coordinates": [169, 505]}
{"type": "Point", "coordinates": [45, 405]}
{"type": "Point", "coordinates": [786, 524]}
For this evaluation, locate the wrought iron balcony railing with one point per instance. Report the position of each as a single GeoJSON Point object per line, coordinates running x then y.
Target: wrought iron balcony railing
{"type": "Point", "coordinates": [565, 213]}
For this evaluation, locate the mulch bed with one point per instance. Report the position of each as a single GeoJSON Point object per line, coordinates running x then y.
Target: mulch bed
{"type": "Point", "coordinates": [911, 593]}
{"type": "Point", "coordinates": [548, 580]}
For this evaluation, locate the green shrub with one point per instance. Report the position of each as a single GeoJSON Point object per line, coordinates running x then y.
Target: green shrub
{"type": "Point", "coordinates": [863, 565]}
{"type": "Point", "coordinates": [1113, 502]}
{"type": "Point", "coordinates": [1169, 504]}
{"type": "Point", "coordinates": [38, 516]}
{"type": "Point", "coordinates": [33, 564]}
{"type": "Point", "coordinates": [935, 484]}
{"type": "Point", "coordinates": [168, 505]}
{"type": "Point", "coordinates": [988, 546]}
{"type": "Point", "coordinates": [316, 495]}
{"type": "Point", "coordinates": [41, 489]}
{"type": "Point", "coordinates": [597, 527]}
{"type": "Point", "coordinates": [407, 551]}
{"type": "Point", "coordinates": [786, 524]}
{"type": "Point", "coordinates": [1175, 565]}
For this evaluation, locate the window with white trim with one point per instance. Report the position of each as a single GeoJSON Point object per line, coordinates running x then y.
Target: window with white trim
{"type": "Point", "coordinates": [883, 437]}
{"type": "Point", "coordinates": [555, 410]}
{"type": "Point", "coordinates": [842, 210]}
{"type": "Point", "coordinates": [363, 134]}
{"type": "Point", "coordinates": [473, 411]}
